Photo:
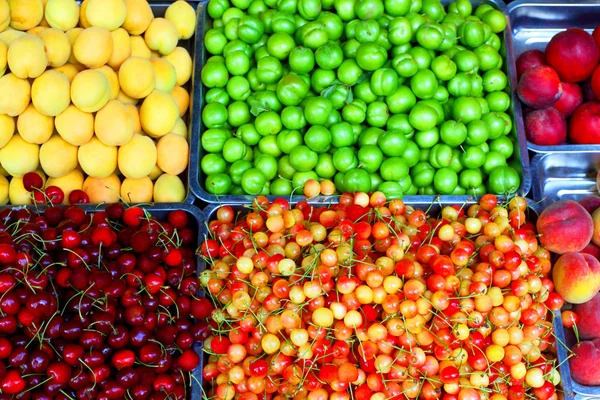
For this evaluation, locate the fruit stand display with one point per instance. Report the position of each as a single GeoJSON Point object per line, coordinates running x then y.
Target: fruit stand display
{"type": "Point", "coordinates": [97, 97]}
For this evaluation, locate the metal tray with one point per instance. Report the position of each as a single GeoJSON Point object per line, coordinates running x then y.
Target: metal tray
{"type": "Point", "coordinates": [194, 45]}
{"type": "Point", "coordinates": [559, 176]}
{"type": "Point", "coordinates": [198, 225]}
{"type": "Point", "coordinates": [197, 177]}
{"type": "Point", "coordinates": [533, 24]}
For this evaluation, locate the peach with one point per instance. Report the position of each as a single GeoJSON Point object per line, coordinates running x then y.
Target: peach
{"type": "Point", "coordinates": [592, 250]}
{"type": "Point", "coordinates": [571, 98]}
{"type": "Point", "coordinates": [62, 14]}
{"type": "Point", "coordinates": [539, 87]}
{"type": "Point", "coordinates": [596, 219]}
{"type": "Point", "coordinates": [573, 54]}
{"type": "Point", "coordinates": [528, 60]}
{"type": "Point", "coordinates": [27, 57]}
{"type": "Point", "coordinates": [107, 14]}
{"type": "Point", "coordinates": [565, 226]}
{"type": "Point", "coordinates": [591, 202]}
{"type": "Point", "coordinates": [585, 364]}
{"type": "Point", "coordinates": [139, 16]}
{"type": "Point", "coordinates": [20, 91]}
{"type": "Point", "coordinates": [25, 14]}
{"type": "Point", "coordinates": [35, 127]}
{"type": "Point", "coordinates": [546, 127]}
{"type": "Point", "coordinates": [589, 318]}
{"type": "Point", "coordinates": [576, 277]}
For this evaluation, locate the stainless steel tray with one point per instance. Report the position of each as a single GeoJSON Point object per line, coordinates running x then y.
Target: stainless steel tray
{"type": "Point", "coordinates": [558, 176]}
{"type": "Point", "coordinates": [194, 46]}
{"type": "Point", "coordinates": [197, 177]}
{"type": "Point", "coordinates": [533, 24]}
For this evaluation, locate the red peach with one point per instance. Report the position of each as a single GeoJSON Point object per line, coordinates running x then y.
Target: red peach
{"type": "Point", "coordinates": [539, 87]}
{"type": "Point", "coordinates": [565, 226]}
{"type": "Point", "coordinates": [573, 54]}
{"type": "Point", "coordinates": [590, 202]}
{"type": "Point", "coordinates": [576, 277]}
{"type": "Point", "coordinates": [596, 219]}
{"type": "Point", "coordinates": [589, 318]}
{"type": "Point", "coordinates": [570, 99]}
{"type": "Point", "coordinates": [584, 125]}
{"type": "Point", "coordinates": [592, 250]}
{"type": "Point", "coordinates": [528, 60]}
{"type": "Point", "coordinates": [546, 127]}
{"type": "Point", "coordinates": [585, 364]}
{"type": "Point", "coordinates": [596, 36]}
{"type": "Point", "coordinates": [595, 83]}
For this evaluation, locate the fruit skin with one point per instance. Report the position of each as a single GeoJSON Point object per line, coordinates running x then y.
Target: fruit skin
{"type": "Point", "coordinates": [571, 98]}
{"type": "Point", "coordinates": [137, 158]}
{"type": "Point", "coordinates": [19, 157]}
{"type": "Point", "coordinates": [590, 202]}
{"type": "Point", "coordinates": [565, 226]}
{"type": "Point", "coordinates": [169, 188]}
{"type": "Point", "coordinates": [546, 127]}
{"type": "Point", "coordinates": [573, 54]}
{"type": "Point", "coordinates": [159, 114]}
{"type": "Point", "coordinates": [114, 124]}
{"type": "Point", "coordinates": [585, 365]}
{"type": "Point", "coordinates": [139, 15]}
{"type": "Point", "coordinates": [162, 36]}
{"type": "Point", "coordinates": [576, 277]}
{"type": "Point", "coordinates": [62, 14]}
{"type": "Point", "coordinates": [584, 126]}
{"type": "Point", "coordinates": [68, 183]}
{"type": "Point", "coordinates": [528, 60]}
{"type": "Point", "coordinates": [589, 322]}
{"type": "Point", "coordinates": [90, 90]}
{"type": "Point", "coordinates": [539, 87]}
{"type": "Point", "coordinates": [108, 14]}
{"type": "Point", "coordinates": [592, 250]}
{"type": "Point", "coordinates": [25, 14]}
{"type": "Point", "coordinates": [51, 93]}
{"type": "Point", "coordinates": [595, 83]}
{"type": "Point", "coordinates": [102, 190]}
{"type": "Point", "coordinates": [14, 105]}
{"type": "Point", "coordinates": [97, 159]}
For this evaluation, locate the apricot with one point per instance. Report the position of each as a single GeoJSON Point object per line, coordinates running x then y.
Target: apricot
{"type": "Point", "coordinates": [165, 74]}
{"type": "Point", "coordinates": [107, 14]}
{"type": "Point", "coordinates": [180, 129]}
{"type": "Point", "coordinates": [139, 16]}
{"type": "Point", "coordinates": [158, 114]}
{"type": "Point", "coordinates": [27, 57]}
{"type": "Point", "coordinates": [17, 194]}
{"type": "Point", "coordinates": [83, 21]}
{"type": "Point", "coordinates": [75, 126]}
{"type": "Point", "coordinates": [20, 91]}
{"type": "Point", "coordinates": [155, 173]}
{"type": "Point", "coordinates": [135, 114]}
{"type": "Point", "coordinates": [172, 154]}
{"type": "Point", "coordinates": [58, 46]}
{"type": "Point", "coordinates": [71, 181]}
{"type": "Point", "coordinates": [169, 189]}
{"type": "Point", "coordinates": [68, 70]}
{"type": "Point", "coordinates": [50, 93]}
{"type": "Point", "coordinates": [62, 14]}
{"type": "Point", "coordinates": [137, 190]}
{"type": "Point", "coordinates": [139, 48]}
{"type": "Point", "coordinates": [137, 158]}
{"type": "Point", "coordinates": [58, 157]}
{"type": "Point", "coordinates": [19, 157]}
{"type": "Point", "coordinates": [182, 61]}
{"type": "Point", "coordinates": [35, 127]}
{"type": "Point", "coordinates": [121, 48]}
{"type": "Point", "coordinates": [113, 81]}
{"type": "Point", "coordinates": [36, 31]}
{"type": "Point", "coordinates": [162, 36]}
{"type": "Point", "coordinates": [3, 191]}
{"type": "Point", "coordinates": [114, 124]}
{"type": "Point", "coordinates": [93, 47]}
{"type": "Point", "coordinates": [123, 98]}
{"type": "Point", "coordinates": [97, 159]}
{"type": "Point", "coordinates": [104, 190]}
{"type": "Point", "coordinates": [3, 58]}
{"type": "Point", "coordinates": [137, 77]}
{"type": "Point", "coordinates": [90, 90]}
{"type": "Point", "coordinates": [7, 129]}
{"type": "Point", "coordinates": [10, 35]}
{"type": "Point", "coordinates": [183, 15]}
{"type": "Point", "coordinates": [182, 98]}
{"type": "Point", "coordinates": [4, 15]}
{"type": "Point", "coordinates": [72, 35]}
{"type": "Point", "coordinates": [25, 14]}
